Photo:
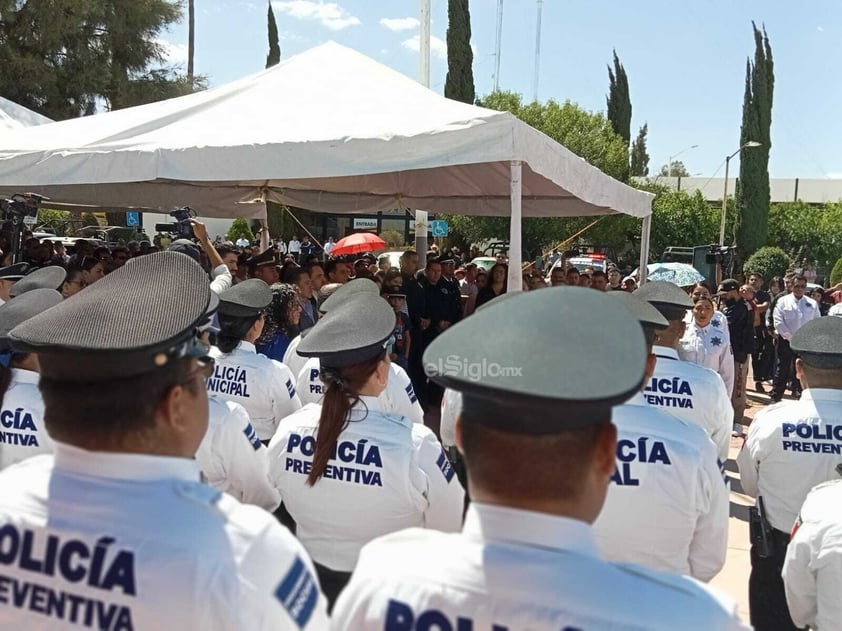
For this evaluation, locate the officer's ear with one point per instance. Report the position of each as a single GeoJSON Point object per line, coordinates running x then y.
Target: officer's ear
{"type": "Point", "coordinates": [799, 373]}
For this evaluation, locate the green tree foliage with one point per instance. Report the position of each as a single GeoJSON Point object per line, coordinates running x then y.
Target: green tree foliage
{"type": "Point", "coordinates": [677, 169]}
{"type": "Point", "coordinates": [60, 57]}
{"type": "Point", "coordinates": [393, 238]}
{"type": "Point", "coordinates": [274, 56]}
{"type": "Point", "coordinates": [639, 156]}
{"type": "Point", "coordinates": [459, 84]}
{"type": "Point", "coordinates": [836, 273]}
{"type": "Point", "coordinates": [681, 220]}
{"type": "Point", "coordinates": [586, 134]}
{"type": "Point", "coordinates": [57, 220]}
{"type": "Point", "coordinates": [239, 228]}
{"type": "Point", "coordinates": [276, 219]}
{"type": "Point", "coordinates": [768, 261]}
{"type": "Point", "coordinates": [807, 231]}
{"type": "Point", "coordinates": [89, 219]}
{"type": "Point", "coordinates": [752, 222]}
{"type": "Point", "coordinates": [619, 101]}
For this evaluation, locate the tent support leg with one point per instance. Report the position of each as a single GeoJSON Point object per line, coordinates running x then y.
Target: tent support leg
{"type": "Point", "coordinates": [644, 246]}
{"type": "Point", "coordinates": [515, 280]}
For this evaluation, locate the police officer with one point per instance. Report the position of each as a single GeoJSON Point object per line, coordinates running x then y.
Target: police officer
{"type": "Point", "coordinates": [233, 459]}
{"type": "Point", "coordinates": [688, 391]}
{"type": "Point", "coordinates": [263, 386]}
{"type": "Point", "coordinates": [50, 277]}
{"type": "Point", "coordinates": [399, 396]}
{"type": "Point", "coordinates": [9, 275]}
{"type": "Point", "coordinates": [22, 430]}
{"type": "Point", "coordinates": [792, 447]}
{"type": "Point", "coordinates": [813, 568]}
{"type": "Point", "coordinates": [116, 531]}
{"type": "Point", "coordinates": [347, 470]}
{"type": "Point", "coordinates": [667, 504]}
{"type": "Point", "coordinates": [540, 451]}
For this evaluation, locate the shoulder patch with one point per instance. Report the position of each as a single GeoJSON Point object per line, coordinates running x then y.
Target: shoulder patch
{"type": "Point", "coordinates": [410, 392]}
{"type": "Point", "coordinates": [446, 468]}
{"type": "Point", "coordinates": [251, 435]}
{"type": "Point", "coordinates": [298, 593]}
{"type": "Point", "coordinates": [290, 388]}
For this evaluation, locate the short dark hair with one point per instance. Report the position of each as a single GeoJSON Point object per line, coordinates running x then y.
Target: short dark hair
{"type": "Point", "coordinates": [331, 266]}
{"type": "Point", "coordinates": [573, 270]}
{"type": "Point", "coordinates": [431, 261]}
{"type": "Point", "coordinates": [597, 272]}
{"type": "Point", "coordinates": [799, 278]}
{"type": "Point", "coordinates": [109, 409]}
{"type": "Point", "coordinates": [224, 250]}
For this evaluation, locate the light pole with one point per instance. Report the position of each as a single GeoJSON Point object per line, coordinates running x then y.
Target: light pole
{"type": "Point", "coordinates": [750, 143]}
{"type": "Point", "coordinates": [669, 162]}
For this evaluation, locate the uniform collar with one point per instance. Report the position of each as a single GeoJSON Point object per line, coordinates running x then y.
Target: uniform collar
{"type": "Point", "coordinates": [366, 405]}
{"type": "Point", "coordinates": [665, 352]}
{"type": "Point", "coordinates": [122, 466]}
{"type": "Point", "coordinates": [247, 347]}
{"type": "Point", "coordinates": [822, 394]}
{"type": "Point", "coordinates": [20, 375]}
{"type": "Point", "coordinates": [538, 530]}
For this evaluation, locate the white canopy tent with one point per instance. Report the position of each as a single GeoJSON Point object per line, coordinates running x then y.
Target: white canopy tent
{"type": "Point", "coordinates": [14, 116]}
{"type": "Point", "coordinates": [329, 130]}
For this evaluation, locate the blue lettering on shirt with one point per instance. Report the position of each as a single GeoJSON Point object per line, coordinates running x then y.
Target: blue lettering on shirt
{"type": "Point", "coordinates": [251, 435]}
{"type": "Point", "coordinates": [629, 451]}
{"type": "Point", "coordinates": [446, 468]}
{"type": "Point", "coordinates": [230, 380]}
{"type": "Point", "coordinates": [410, 392]}
{"type": "Point", "coordinates": [401, 617]}
{"type": "Point", "coordinates": [814, 438]}
{"type": "Point", "coordinates": [298, 593]}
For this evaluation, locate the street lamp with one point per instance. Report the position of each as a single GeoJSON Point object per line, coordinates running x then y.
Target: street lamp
{"type": "Point", "coordinates": [750, 143]}
{"type": "Point", "coordinates": [669, 162]}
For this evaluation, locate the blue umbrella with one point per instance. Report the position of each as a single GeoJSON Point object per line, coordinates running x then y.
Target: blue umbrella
{"type": "Point", "coordinates": [681, 274]}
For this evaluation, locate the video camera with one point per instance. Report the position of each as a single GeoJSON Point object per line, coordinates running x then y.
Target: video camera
{"type": "Point", "coordinates": [15, 209]}
{"type": "Point", "coordinates": [718, 254]}
{"type": "Point", "coordinates": [181, 228]}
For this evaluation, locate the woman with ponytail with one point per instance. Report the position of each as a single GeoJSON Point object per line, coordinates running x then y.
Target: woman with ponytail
{"type": "Point", "coordinates": [347, 470]}
{"type": "Point", "coordinates": [263, 386]}
{"type": "Point", "coordinates": [22, 406]}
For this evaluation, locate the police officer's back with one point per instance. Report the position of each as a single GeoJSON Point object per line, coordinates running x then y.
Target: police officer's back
{"type": "Point", "coordinates": [791, 447]}
{"type": "Point", "coordinates": [540, 451]}
{"type": "Point", "coordinates": [116, 531]}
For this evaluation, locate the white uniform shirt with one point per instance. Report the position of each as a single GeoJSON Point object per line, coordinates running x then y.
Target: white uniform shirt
{"type": "Point", "coordinates": [398, 397]}
{"type": "Point", "coordinates": [135, 541]}
{"type": "Point", "coordinates": [791, 314]}
{"type": "Point", "coordinates": [263, 386]}
{"type": "Point", "coordinates": [516, 569]}
{"type": "Point", "coordinates": [22, 431]}
{"type": "Point", "coordinates": [813, 567]}
{"type": "Point", "coordinates": [710, 347]}
{"type": "Point", "coordinates": [329, 247]}
{"type": "Point", "coordinates": [693, 393]}
{"type": "Point", "coordinates": [792, 447]}
{"type": "Point", "coordinates": [451, 408]}
{"type": "Point", "coordinates": [294, 246]}
{"type": "Point", "coordinates": [835, 310]}
{"type": "Point", "coordinates": [388, 473]}
{"type": "Point", "coordinates": [233, 459]}
{"type": "Point", "coordinates": [667, 505]}
{"type": "Point", "coordinates": [292, 359]}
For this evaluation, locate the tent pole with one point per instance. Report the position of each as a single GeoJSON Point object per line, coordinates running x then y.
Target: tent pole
{"type": "Point", "coordinates": [644, 246]}
{"type": "Point", "coordinates": [515, 281]}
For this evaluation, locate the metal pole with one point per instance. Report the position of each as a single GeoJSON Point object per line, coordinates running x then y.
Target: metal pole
{"type": "Point", "coordinates": [645, 231]}
{"type": "Point", "coordinates": [537, 51]}
{"type": "Point", "coordinates": [515, 280]}
{"type": "Point", "coordinates": [424, 50]}
{"type": "Point", "coordinates": [498, 45]}
{"type": "Point", "coordinates": [724, 204]}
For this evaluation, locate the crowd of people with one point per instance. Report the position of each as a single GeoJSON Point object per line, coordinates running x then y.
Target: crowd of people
{"type": "Point", "coordinates": [159, 405]}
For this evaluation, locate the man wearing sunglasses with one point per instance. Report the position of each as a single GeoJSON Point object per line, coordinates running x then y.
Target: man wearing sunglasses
{"type": "Point", "coordinates": [117, 522]}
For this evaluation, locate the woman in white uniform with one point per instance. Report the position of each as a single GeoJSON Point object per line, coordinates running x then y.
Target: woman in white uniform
{"type": "Point", "coordinates": [706, 342]}
{"type": "Point", "coordinates": [347, 470]}
{"type": "Point", "coordinates": [22, 431]}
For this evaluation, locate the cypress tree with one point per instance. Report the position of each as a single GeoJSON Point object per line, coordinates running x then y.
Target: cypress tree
{"type": "Point", "coordinates": [752, 198]}
{"type": "Point", "coordinates": [274, 56]}
{"type": "Point", "coordinates": [459, 84]}
{"type": "Point", "coordinates": [618, 100]}
{"type": "Point", "coordinates": [639, 155]}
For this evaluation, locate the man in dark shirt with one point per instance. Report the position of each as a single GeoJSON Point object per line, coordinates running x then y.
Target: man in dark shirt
{"type": "Point", "coordinates": [445, 309]}
{"type": "Point", "coordinates": [419, 320]}
{"type": "Point", "coordinates": [763, 350]}
{"type": "Point", "coordinates": [741, 329]}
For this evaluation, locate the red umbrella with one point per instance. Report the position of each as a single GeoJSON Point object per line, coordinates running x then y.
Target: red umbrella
{"type": "Point", "coordinates": [358, 242]}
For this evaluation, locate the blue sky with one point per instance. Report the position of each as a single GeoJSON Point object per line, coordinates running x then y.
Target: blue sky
{"type": "Point", "coordinates": [685, 60]}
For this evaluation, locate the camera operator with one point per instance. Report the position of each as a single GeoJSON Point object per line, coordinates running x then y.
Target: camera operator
{"type": "Point", "coordinates": [220, 273]}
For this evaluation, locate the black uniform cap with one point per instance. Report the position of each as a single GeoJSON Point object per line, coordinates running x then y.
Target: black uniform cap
{"type": "Point", "coordinates": [562, 374]}
{"type": "Point", "coordinates": [245, 299]}
{"type": "Point", "coordinates": [353, 334]}
{"type": "Point", "coordinates": [22, 308]}
{"type": "Point", "coordinates": [819, 343]}
{"type": "Point", "coordinates": [14, 272]}
{"type": "Point", "coordinates": [45, 278]}
{"type": "Point", "coordinates": [267, 257]}
{"type": "Point", "coordinates": [187, 247]}
{"type": "Point", "coordinates": [349, 290]}
{"type": "Point", "coordinates": [668, 298]}
{"type": "Point", "coordinates": [729, 284]}
{"type": "Point", "coordinates": [130, 323]}
{"type": "Point", "coordinates": [648, 316]}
